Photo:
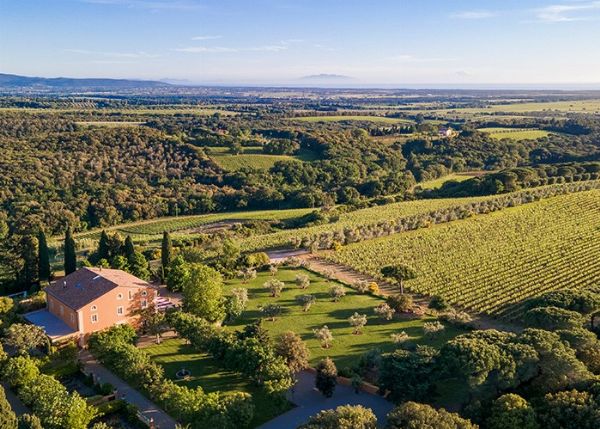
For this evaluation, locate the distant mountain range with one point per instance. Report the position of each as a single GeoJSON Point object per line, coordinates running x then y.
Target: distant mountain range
{"type": "Point", "coordinates": [326, 76]}
{"type": "Point", "coordinates": [16, 81]}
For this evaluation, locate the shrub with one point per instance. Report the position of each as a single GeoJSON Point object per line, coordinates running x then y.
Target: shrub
{"type": "Point", "coordinates": [361, 286]}
{"type": "Point", "coordinates": [458, 318]}
{"type": "Point", "coordinates": [337, 292]}
{"type": "Point", "coordinates": [374, 288]}
{"type": "Point", "coordinates": [275, 287]}
{"type": "Point", "coordinates": [302, 281]}
{"type": "Point", "coordinates": [432, 328]}
{"type": "Point", "coordinates": [271, 311]}
{"type": "Point", "coordinates": [385, 311]}
{"type": "Point", "coordinates": [399, 337]}
{"type": "Point", "coordinates": [306, 301]}
{"type": "Point", "coordinates": [357, 321]}
{"type": "Point", "coordinates": [324, 335]}
{"type": "Point", "coordinates": [400, 303]}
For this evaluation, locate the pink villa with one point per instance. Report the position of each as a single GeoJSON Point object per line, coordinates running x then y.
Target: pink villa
{"type": "Point", "coordinates": [90, 300]}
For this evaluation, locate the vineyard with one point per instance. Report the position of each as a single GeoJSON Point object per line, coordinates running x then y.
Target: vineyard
{"type": "Point", "coordinates": [388, 219]}
{"type": "Point", "coordinates": [149, 230]}
{"type": "Point", "coordinates": [489, 263]}
{"type": "Point", "coordinates": [367, 216]}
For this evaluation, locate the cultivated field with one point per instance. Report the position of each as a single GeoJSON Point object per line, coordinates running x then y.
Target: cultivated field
{"type": "Point", "coordinates": [353, 118]}
{"type": "Point", "coordinates": [252, 157]}
{"type": "Point", "coordinates": [109, 124]}
{"type": "Point", "coordinates": [488, 263]}
{"type": "Point", "coordinates": [514, 133]}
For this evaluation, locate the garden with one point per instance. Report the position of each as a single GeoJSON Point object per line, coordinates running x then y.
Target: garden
{"type": "Point", "coordinates": [346, 347]}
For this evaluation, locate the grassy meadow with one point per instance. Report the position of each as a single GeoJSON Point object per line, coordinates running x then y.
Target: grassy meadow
{"type": "Point", "coordinates": [514, 133]}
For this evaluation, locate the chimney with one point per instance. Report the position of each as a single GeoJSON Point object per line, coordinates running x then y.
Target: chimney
{"type": "Point", "coordinates": [64, 284]}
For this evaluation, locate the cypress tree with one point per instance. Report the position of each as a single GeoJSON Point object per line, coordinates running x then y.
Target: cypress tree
{"type": "Point", "coordinates": [166, 252]}
{"type": "Point", "coordinates": [70, 254]}
{"type": "Point", "coordinates": [29, 253]}
{"type": "Point", "coordinates": [43, 257]}
{"type": "Point", "coordinates": [103, 246]}
{"type": "Point", "coordinates": [129, 248]}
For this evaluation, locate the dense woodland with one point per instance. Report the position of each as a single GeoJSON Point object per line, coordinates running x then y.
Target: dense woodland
{"type": "Point", "coordinates": [57, 171]}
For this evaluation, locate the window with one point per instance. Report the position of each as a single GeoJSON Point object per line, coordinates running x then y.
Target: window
{"type": "Point", "coordinates": [94, 308]}
{"type": "Point", "coordinates": [144, 293]}
{"type": "Point", "coordinates": [120, 296]}
{"type": "Point", "coordinates": [72, 318]}
{"type": "Point", "coordinates": [120, 311]}
{"type": "Point", "coordinates": [130, 295]}
{"type": "Point", "coordinates": [94, 318]}
{"type": "Point", "coordinates": [144, 303]}
{"type": "Point", "coordinates": [62, 310]}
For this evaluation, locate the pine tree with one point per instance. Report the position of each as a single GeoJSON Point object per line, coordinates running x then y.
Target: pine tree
{"type": "Point", "coordinates": [43, 257]}
{"type": "Point", "coordinates": [70, 254]}
{"type": "Point", "coordinates": [129, 249]}
{"type": "Point", "coordinates": [166, 253]}
{"type": "Point", "coordinates": [103, 247]}
{"type": "Point", "coordinates": [8, 419]}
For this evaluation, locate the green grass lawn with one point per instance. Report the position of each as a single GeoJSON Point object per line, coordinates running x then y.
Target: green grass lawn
{"type": "Point", "coordinates": [174, 354]}
{"type": "Point", "coordinates": [252, 157]}
{"type": "Point", "coordinates": [514, 133]}
{"type": "Point", "coordinates": [347, 347]}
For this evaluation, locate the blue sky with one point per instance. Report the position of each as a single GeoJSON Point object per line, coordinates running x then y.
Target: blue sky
{"type": "Point", "coordinates": [280, 41]}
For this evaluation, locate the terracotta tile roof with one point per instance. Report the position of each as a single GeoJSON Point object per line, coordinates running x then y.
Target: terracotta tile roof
{"type": "Point", "coordinates": [88, 284]}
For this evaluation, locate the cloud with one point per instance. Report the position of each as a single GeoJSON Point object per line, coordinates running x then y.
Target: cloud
{"type": "Point", "coordinates": [408, 58]}
{"type": "Point", "coordinates": [277, 47]}
{"type": "Point", "coordinates": [206, 37]}
{"type": "Point", "coordinates": [567, 12]}
{"type": "Point", "coordinates": [474, 14]}
{"type": "Point", "coordinates": [140, 54]}
{"type": "Point", "coordinates": [150, 4]}
{"type": "Point", "coordinates": [206, 49]}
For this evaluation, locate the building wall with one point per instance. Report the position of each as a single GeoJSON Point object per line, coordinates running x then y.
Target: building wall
{"type": "Point", "coordinates": [104, 311]}
{"type": "Point", "coordinates": [64, 313]}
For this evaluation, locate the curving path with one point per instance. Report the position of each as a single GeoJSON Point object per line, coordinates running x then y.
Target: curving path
{"type": "Point", "coordinates": [309, 402]}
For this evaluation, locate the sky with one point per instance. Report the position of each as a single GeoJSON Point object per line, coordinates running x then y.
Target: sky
{"type": "Point", "coordinates": [288, 42]}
